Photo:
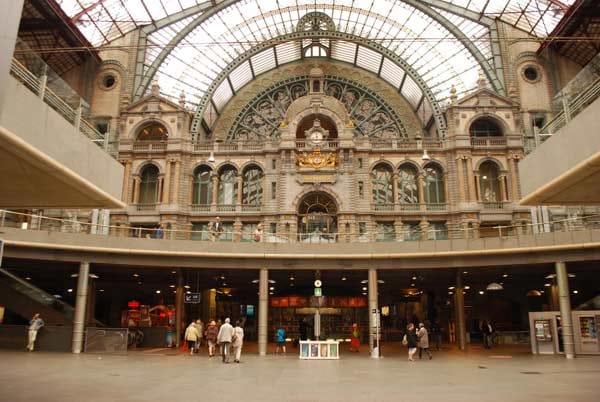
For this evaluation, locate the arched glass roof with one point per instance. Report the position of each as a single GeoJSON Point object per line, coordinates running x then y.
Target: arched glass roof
{"type": "Point", "coordinates": [422, 47]}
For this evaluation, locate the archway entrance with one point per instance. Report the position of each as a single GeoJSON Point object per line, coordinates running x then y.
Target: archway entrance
{"type": "Point", "coordinates": [317, 218]}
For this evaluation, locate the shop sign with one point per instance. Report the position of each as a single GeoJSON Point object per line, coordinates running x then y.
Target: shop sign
{"type": "Point", "coordinates": [193, 298]}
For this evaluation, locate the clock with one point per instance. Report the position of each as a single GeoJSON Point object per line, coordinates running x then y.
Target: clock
{"type": "Point", "coordinates": [316, 137]}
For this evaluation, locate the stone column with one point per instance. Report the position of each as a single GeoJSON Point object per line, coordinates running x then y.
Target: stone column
{"type": "Point", "coordinates": [240, 182]}
{"type": "Point", "coordinates": [126, 179]}
{"type": "Point", "coordinates": [564, 300]}
{"type": "Point", "coordinates": [161, 189]}
{"type": "Point", "coordinates": [9, 20]}
{"type": "Point", "coordinates": [136, 189]}
{"type": "Point", "coordinates": [477, 188]}
{"type": "Point", "coordinates": [373, 307]}
{"type": "Point", "coordinates": [80, 307]}
{"type": "Point", "coordinates": [179, 307]}
{"type": "Point", "coordinates": [459, 312]}
{"type": "Point", "coordinates": [175, 194]}
{"type": "Point", "coordinates": [215, 189]}
{"type": "Point", "coordinates": [263, 311]}
{"type": "Point", "coordinates": [470, 188]}
{"type": "Point", "coordinates": [502, 182]}
{"type": "Point", "coordinates": [514, 182]}
{"type": "Point", "coordinates": [395, 189]}
{"type": "Point", "coordinates": [460, 179]}
{"type": "Point", "coordinates": [424, 229]}
{"type": "Point", "coordinates": [90, 308]}
{"type": "Point", "coordinates": [421, 188]}
{"type": "Point", "coordinates": [167, 183]}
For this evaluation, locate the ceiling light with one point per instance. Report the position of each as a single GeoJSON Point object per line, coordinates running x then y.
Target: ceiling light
{"type": "Point", "coordinates": [534, 293]}
{"type": "Point", "coordinates": [344, 278]}
{"type": "Point", "coordinates": [224, 283]}
{"type": "Point", "coordinates": [450, 293]}
{"type": "Point", "coordinates": [547, 285]}
{"type": "Point", "coordinates": [414, 278]}
{"type": "Point", "coordinates": [505, 275]}
{"type": "Point", "coordinates": [186, 286]}
{"type": "Point", "coordinates": [272, 281]}
{"type": "Point", "coordinates": [70, 290]}
{"type": "Point", "coordinates": [136, 275]}
{"type": "Point", "coordinates": [542, 291]}
{"type": "Point", "coordinates": [158, 291]}
{"type": "Point", "coordinates": [364, 294]}
{"type": "Point", "coordinates": [271, 293]}
{"type": "Point", "coordinates": [255, 280]}
{"type": "Point", "coordinates": [171, 286]}
{"type": "Point", "coordinates": [450, 287]}
{"type": "Point", "coordinates": [481, 292]}
{"type": "Point", "coordinates": [27, 278]}
{"type": "Point", "coordinates": [222, 276]}
{"type": "Point", "coordinates": [551, 276]}
{"type": "Point", "coordinates": [100, 290]}
{"type": "Point", "coordinates": [291, 285]}
{"type": "Point", "coordinates": [271, 288]}
{"type": "Point", "coordinates": [465, 272]}
{"type": "Point", "coordinates": [292, 278]}
{"type": "Point", "coordinates": [188, 292]}
{"type": "Point", "coordinates": [412, 285]}
{"type": "Point", "coordinates": [571, 275]}
{"type": "Point", "coordinates": [494, 286]}
{"type": "Point", "coordinates": [364, 281]}
{"type": "Point", "coordinates": [174, 291]}
{"type": "Point", "coordinates": [380, 281]}
{"type": "Point", "coordinates": [364, 288]}
{"type": "Point", "coordinates": [467, 287]}
{"type": "Point", "coordinates": [139, 283]}
{"type": "Point", "coordinates": [173, 272]}
{"type": "Point", "coordinates": [575, 291]}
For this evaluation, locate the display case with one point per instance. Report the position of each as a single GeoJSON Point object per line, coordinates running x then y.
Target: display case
{"type": "Point", "coordinates": [319, 350]}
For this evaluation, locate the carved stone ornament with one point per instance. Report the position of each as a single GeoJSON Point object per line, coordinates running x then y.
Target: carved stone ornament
{"type": "Point", "coordinates": [316, 159]}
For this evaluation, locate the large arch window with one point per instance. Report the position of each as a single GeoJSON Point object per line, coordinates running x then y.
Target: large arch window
{"type": "Point", "coordinates": [485, 127]}
{"type": "Point", "coordinates": [408, 190]}
{"type": "Point", "coordinates": [252, 191]}
{"type": "Point", "coordinates": [201, 194]}
{"type": "Point", "coordinates": [489, 179]}
{"type": "Point", "coordinates": [434, 184]}
{"type": "Point", "coordinates": [382, 185]}
{"type": "Point", "coordinates": [228, 186]}
{"type": "Point", "coordinates": [149, 185]}
{"type": "Point", "coordinates": [153, 132]}
{"type": "Point", "coordinates": [317, 218]}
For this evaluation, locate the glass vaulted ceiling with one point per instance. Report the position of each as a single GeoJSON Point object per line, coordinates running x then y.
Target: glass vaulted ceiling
{"type": "Point", "coordinates": [426, 37]}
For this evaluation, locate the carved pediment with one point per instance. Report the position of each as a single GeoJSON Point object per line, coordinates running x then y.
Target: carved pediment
{"type": "Point", "coordinates": [485, 97]}
{"type": "Point", "coordinates": [153, 103]}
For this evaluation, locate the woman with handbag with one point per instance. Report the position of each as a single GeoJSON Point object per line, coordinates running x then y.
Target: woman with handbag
{"type": "Point", "coordinates": [412, 341]}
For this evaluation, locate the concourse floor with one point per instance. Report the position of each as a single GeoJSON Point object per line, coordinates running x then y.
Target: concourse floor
{"type": "Point", "coordinates": [503, 374]}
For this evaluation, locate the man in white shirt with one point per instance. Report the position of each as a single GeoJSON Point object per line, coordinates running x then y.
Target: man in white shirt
{"type": "Point", "coordinates": [224, 339]}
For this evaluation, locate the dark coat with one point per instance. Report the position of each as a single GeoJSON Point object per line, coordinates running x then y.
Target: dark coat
{"type": "Point", "coordinates": [411, 337]}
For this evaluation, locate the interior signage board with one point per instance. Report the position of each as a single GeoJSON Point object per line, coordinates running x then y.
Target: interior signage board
{"type": "Point", "coordinates": [192, 298]}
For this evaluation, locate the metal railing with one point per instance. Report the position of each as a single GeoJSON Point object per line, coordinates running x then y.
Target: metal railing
{"type": "Point", "coordinates": [409, 231]}
{"type": "Point", "coordinates": [40, 87]}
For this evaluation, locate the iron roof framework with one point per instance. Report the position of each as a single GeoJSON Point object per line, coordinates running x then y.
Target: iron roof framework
{"type": "Point", "coordinates": [192, 46]}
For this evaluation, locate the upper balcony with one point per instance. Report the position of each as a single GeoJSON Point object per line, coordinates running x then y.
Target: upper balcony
{"type": "Point", "coordinates": [51, 157]}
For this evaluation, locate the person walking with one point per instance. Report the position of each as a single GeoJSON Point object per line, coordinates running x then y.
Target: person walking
{"type": "Point", "coordinates": [191, 337]}
{"type": "Point", "coordinates": [487, 329]}
{"type": "Point", "coordinates": [423, 337]}
{"type": "Point", "coordinates": [354, 338]}
{"type": "Point", "coordinates": [238, 340]}
{"type": "Point", "coordinates": [303, 326]}
{"type": "Point", "coordinates": [436, 332]}
{"type": "Point", "coordinates": [35, 325]}
{"type": "Point", "coordinates": [200, 328]}
{"type": "Point", "coordinates": [280, 335]}
{"type": "Point", "coordinates": [411, 341]}
{"type": "Point", "coordinates": [211, 337]}
{"type": "Point", "coordinates": [224, 339]}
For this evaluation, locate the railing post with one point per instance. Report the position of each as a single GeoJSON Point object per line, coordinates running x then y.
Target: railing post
{"type": "Point", "coordinates": [43, 82]}
{"type": "Point", "coordinates": [77, 121]}
{"type": "Point", "coordinates": [567, 111]}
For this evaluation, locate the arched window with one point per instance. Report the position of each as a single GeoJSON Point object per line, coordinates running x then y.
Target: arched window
{"type": "Point", "coordinates": [149, 185]}
{"type": "Point", "coordinates": [434, 185]}
{"type": "Point", "coordinates": [382, 185]}
{"type": "Point", "coordinates": [408, 190]}
{"type": "Point", "coordinates": [153, 132]}
{"type": "Point", "coordinates": [252, 190]}
{"type": "Point", "coordinates": [485, 127]}
{"type": "Point", "coordinates": [489, 182]}
{"type": "Point", "coordinates": [228, 186]}
{"type": "Point", "coordinates": [202, 189]}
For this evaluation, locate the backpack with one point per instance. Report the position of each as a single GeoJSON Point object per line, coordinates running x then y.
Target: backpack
{"type": "Point", "coordinates": [405, 340]}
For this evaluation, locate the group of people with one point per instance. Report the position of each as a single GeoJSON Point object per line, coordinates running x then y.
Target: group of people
{"type": "Point", "coordinates": [230, 339]}
{"type": "Point", "coordinates": [414, 340]}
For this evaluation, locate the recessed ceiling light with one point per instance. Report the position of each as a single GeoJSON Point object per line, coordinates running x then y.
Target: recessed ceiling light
{"type": "Point", "coordinates": [222, 276]}
{"type": "Point", "coordinates": [450, 287]}
{"type": "Point", "coordinates": [224, 283]}
{"type": "Point", "coordinates": [158, 291]}
{"type": "Point", "coordinates": [292, 285]}
{"type": "Point", "coordinates": [186, 286]}
{"type": "Point", "coordinates": [465, 272]}
{"type": "Point", "coordinates": [70, 290]}
{"type": "Point", "coordinates": [412, 285]}
{"type": "Point", "coordinates": [481, 292]}
{"type": "Point", "coordinates": [174, 291]}
{"type": "Point", "coordinates": [100, 290]}
{"type": "Point", "coordinates": [414, 278]}
{"type": "Point", "coordinates": [173, 272]}
{"type": "Point", "coordinates": [380, 281]}
{"type": "Point", "coordinates": [136, 275]}
{"type": "Point", "coordinates": [139, 283]}
{"type": "Point", "coordinates": [344, 278]}
{"type": "Point", "coordinates": [505, 275]}
{"type": "Point", "coordinates": [551, 276]}
{"type": "Point", "coordinates": [255, 280]}
{"type": "Point", "coordinates": [450, 293]}
{"type": "Point", "coordinates": [467, 287]}
{"type": "Point", "coordinates": [575, 291]}
{"type": "Point", "coordinates": [189, 292]}
{"type": "Point", "coordinates": [272, 281]}
{"type": "Point", "coordinates": [571, 275]}
{"type": "Point", "coordinates": [27, 278]}
{"type": "Point", "coordinates": [272, 288]}
{"type": "Point", "coordinates": [171, 286]}
{"type": "Point", "coordinates": [94, 276]}
{"type": "Point", "coordinates": [547, 285]}
{"type": "Point", "coordinates": [364, 281]}
{"type": "Point", "coordinates": [57, 296]}
{"type": "Point", "coordinates": [270, 293]}
{"type": "Point", "coordinates": [364, 288]}
{"type": "Point", "coordinates": [364, 294]}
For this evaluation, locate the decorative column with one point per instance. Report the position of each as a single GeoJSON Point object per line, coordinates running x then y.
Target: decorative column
{"type": "Point", "coordinates": [176, 179]}
{"type": "Point", "coordinates": [459, 312]}
{"type": "Point", "coordinates": [513, 160]}
{"type": "Point", "coordinates": [395, 189]}
{"type": "Point", "coordinates": [167, 183]}
{"type": "Point", "coordinates": [136, 189]}
{"type": "Point", "coordinates": [179, 307]}
{"type": "Point", "coordinates": [373, 310]}
{"type": "Point", "coordinates": [161, 189]}
{"type": "Point", "coordinates": [424, 229]}
{"type": "Point", "coordinates": [263, 311]}
{"type": "Point", "coordinates": [126, 179]}
{"type": "Point", "coordinates": [477, 188]}
{"type": "Point", "coordinates": [421, 187]}
{"type": "Point", "coordinates": [502, 182]}
{"type": "Point", "coordinates": [80, 307]}
{"type": "Point", "coordinates": [215, 188]}
{"type": "Point", "coordinates": [460, 178]}
{"type": "Point", "coordinates": [564, 300]}
{"type": "Point", "coordinates": [472, 191]}
{"type": "Point", "coordinates": [239, 182]}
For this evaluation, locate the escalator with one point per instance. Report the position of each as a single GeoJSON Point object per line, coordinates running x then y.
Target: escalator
{"type": "Point", "coordinates": [24, 299]}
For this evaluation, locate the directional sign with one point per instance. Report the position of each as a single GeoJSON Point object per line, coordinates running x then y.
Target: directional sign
{"type": "Point", "coordinates": [318, 292]}
{"type": "Point", "coordinates": [192, 298]}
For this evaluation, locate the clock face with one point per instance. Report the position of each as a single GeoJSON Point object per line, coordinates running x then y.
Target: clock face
{"type": "Point", "coordinates": [316, 136]}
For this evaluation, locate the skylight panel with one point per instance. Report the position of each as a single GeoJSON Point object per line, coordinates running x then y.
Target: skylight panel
{"type": "Point", "coordinates": [392, 73]}
{"type": "Point", "coordinates": [411, 91]}
{"type": "Point", "coordinates": [241, 76]}
{"type": "Point", "coordinates": [368, 59]}
{"type": "Point", "coordinates": [264, 61]}
{"type": "Point", "coordinates": [222, 95]}
{"type": "Point", "coordinates": [343, 51]}
{"type": "Point", "coordinates": [288, 52]}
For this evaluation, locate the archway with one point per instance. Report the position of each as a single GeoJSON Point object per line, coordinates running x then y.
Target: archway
{"type": "Point", "coordinates": [317, 218]}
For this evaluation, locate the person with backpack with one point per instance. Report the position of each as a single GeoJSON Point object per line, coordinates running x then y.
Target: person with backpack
{"type": "Point", "coordinates": [191, 336]}
{"type": "Point", "coordinates": [211, 337]}
{"type": "Point", "coordinates": [280, 338]}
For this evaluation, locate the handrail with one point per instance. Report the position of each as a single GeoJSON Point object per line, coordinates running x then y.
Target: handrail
{"type": "Point", "coordinates": [412, 233]}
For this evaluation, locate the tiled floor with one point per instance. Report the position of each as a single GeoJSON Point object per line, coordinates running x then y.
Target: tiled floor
{"type": "Point", "coordinates": [166, 375]}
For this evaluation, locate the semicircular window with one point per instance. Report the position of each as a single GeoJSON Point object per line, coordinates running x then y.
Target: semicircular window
{"type": "Point", "coordinates": [152, 132]}
{"type": "Point", "coordinates": [485, 127]}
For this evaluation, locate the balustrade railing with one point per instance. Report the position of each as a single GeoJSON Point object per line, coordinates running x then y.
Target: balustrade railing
{"type": "Point", "coordinates": [487, 142]}
{"type": "Point", "coordinates": [10, 219]}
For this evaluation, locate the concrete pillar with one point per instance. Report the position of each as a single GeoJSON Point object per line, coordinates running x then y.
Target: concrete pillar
{"type": "Point", "coordinates": [167, 183]}
{"type": "Point", "coordinates": [564, 300]}
{"type": "Point", "coordinates": [209, 305]}
{"type": "Point", "coordinates": [80, 306]}
{"type": "Point", "coordinates": [9, 20]}
{"type": "Point", "coordinates": [263, 311]}
{"type": "Point", "coordinates": [459, 312]}
{"type": "Point", "coordinates": [90, 308]}
{"type": "Point", "coordinates": [176, 179]}
{"type": "Point", "coordinates": [373, 307]}
{"type": "Point", "coordinates": [179, 306]}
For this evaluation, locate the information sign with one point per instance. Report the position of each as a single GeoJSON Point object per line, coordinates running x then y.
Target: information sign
{"type": "Point", "coordinates": [193, 298]}
{"type": "Point", "coordinates": [318, 292]}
